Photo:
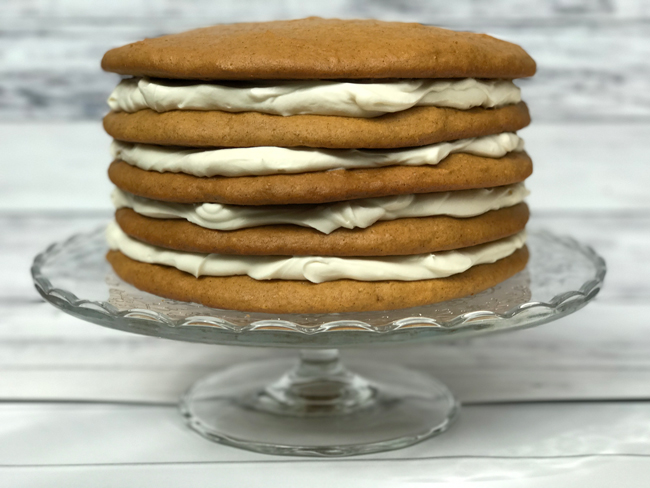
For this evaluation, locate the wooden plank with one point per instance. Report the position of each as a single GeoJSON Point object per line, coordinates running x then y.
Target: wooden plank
{"type": "Point", "coordinates": [413, 10]}
{"type": "Point", "coordinates": [588, 166]}
{"type": "Point", "coordinates": [569, 445]}
{"type": "Point", "coordinates": [623, 241]}
{"type": "Point", "coordinates": [600, 352]}
{"type": "Point", "coordinates": [54, 167]}
{"type": "Point", "coordinates": [594, 70]}
{"type": "Point", "coordinates": [594, 354]}
{"type": "Point", "coordinates": [577, 167]}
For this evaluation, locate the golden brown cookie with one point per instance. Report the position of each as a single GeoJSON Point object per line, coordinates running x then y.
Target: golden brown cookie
{"type": "Point", "coordinates": [387, 238]}
{"type": "Point", "coordinates": [279, 296]}
{"type": "Point", "coordinates": [321, 48]}
{"type": "Point", "coordinates": [456, 172]}
{"type": "Point", "coordinates": [417, 126]}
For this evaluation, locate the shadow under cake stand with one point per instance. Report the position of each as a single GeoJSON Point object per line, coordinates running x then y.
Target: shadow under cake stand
{"type": "Point", "coordinates": [316, 406]}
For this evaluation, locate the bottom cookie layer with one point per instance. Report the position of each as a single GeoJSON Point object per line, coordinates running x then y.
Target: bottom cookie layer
{"type": "Point", "coordinates": [279, 296]}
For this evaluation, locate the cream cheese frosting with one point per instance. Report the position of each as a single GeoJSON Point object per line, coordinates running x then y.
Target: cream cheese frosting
{"type": "Point", "coordinates": [266, 160]}
{"type": "Point", "coordinates": [314, 268]}
{"type": "Point", "coordinates": [350, 99]}
{"type": "Point", "coordinates": [327, 218]}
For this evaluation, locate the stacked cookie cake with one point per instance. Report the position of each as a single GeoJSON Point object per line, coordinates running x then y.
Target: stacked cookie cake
{"type": "Point", "coordinates": [318, 165]}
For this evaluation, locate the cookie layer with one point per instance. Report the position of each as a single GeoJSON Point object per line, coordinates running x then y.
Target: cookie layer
{"type": "Point", "coordinates": [417, 126]}
{"type": "Point", "coordinates": [321, 48]}
{"type": "Point", "coordinates": [279, 296]}
{"type": "Point", "coordinates": [456, 172]}
{"type": "Point", "coordinates": [389, 238]}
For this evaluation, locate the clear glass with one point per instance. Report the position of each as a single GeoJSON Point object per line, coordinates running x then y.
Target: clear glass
{"type": "Point", "coordinates": [317, 407]}
{"type": "Point", "coordinates": [561, 277]}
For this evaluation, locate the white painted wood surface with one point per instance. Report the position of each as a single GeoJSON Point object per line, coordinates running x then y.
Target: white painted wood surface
{"type": "Point", "coordinates": [592, 54]}
{"type": "Point", "coordinates": [600, 352]}
{"type": "Point", "coordinates": [589, 141]}
{"type": "Point", "coordinates": [504, 446]}
{"type": "Point", "coordinates": [577, 167]}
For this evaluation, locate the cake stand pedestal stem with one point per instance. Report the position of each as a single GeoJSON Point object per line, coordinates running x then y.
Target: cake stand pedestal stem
{"type": "Point", "coordinates": [318, 385]}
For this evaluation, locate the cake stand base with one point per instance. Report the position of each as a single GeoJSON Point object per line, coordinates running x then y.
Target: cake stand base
{"type": "Point", "coordinates": [318, 407]}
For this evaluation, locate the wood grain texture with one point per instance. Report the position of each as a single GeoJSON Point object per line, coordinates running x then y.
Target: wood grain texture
{"type": "Point", "coordinates": [624, 241]}
{"type": "Point", "coordinates": [600, 352]}
{"type": "Point", "coordinates": [600, 167]}
{"type": "Point", "coordinates": [591, 54]}
{"type": "Point", "coordinates": [407, 10]}
{"type": "Point", "coordinates": [590, 182]}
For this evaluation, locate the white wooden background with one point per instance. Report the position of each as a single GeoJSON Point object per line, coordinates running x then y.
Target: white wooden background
{"type": "Point", "coordinates": [592, 54]}
{"type": "Point", "coordinates": [590, 142]}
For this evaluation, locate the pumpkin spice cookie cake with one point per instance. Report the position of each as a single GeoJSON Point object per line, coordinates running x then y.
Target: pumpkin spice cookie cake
{"type": "Point", "coordinates": [318, 165]}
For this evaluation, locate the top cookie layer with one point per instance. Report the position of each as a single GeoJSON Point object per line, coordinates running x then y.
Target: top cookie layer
{"type": "Point", "coordinates": [316, 48]}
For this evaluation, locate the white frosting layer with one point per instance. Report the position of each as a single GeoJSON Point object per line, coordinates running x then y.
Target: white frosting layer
{"type": "Point", "coordinates": [326, 218]}
{"type": "Point", "coordinates": [312, 97]}
{"type": "Point", "coordinates": [274, 160]}
{"type": "Point", "coordinates": [318, 269]}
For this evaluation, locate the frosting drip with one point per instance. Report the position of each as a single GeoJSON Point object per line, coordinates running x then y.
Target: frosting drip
{"type": "Point", "coordinates": [327, 218]}
{"type": "Point", "coordinates": [312, 97]}
{"type": "Point", "coordinates": [318, 269]}
{"type": "Point", "coordinates": [263, 160]}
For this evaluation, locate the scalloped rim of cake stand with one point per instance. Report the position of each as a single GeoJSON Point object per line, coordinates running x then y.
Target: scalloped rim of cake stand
{"type": "Point", "coordinates": [281, 331]}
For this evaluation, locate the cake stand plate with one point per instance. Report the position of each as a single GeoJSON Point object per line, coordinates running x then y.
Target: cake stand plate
{"type": "Point", "coordinates": [315, 406]}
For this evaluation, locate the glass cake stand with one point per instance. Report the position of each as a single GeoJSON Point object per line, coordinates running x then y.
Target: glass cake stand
{"type": "Point", "coordinates": [313, 405]}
